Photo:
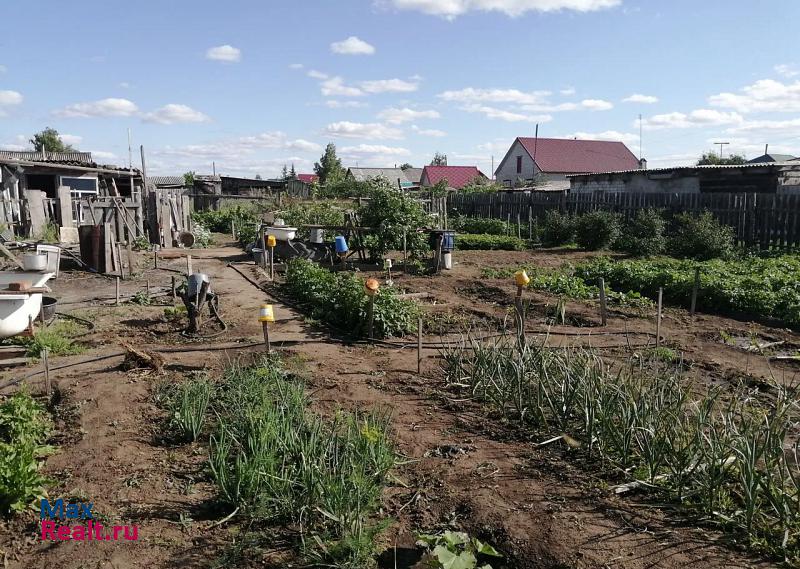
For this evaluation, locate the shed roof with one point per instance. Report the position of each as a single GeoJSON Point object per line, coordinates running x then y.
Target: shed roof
{"type": "Point", "coordinates": [457, 176]}
{"type": "Point", "coordinates": [391, 174]}
{"type": "Point", "coordinates": [76, 158]}
{"type": "Point", "coordinates": [162, 181]}
{"type": "Point", "coordinates": [770, 157]}
{"type": "Point", "coordinates": [572, 156]}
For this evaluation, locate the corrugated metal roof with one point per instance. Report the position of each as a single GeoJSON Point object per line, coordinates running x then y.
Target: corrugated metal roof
{"type": "Point", "coordinates": [82, 158]}
{"type": "Point", "coordinates": [789, 165]}
{"type": "Point", "coordinates": [167, 180]}
{"type": "Point", "coordinates": [567, 155]}
{"type": "Point", "coordinates": [391, 174]}
{"type": "Point", "coordinates": [457, 176]}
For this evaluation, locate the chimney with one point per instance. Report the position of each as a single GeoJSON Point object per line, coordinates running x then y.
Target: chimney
{"type": "Point", "coordinates": [643, 164]}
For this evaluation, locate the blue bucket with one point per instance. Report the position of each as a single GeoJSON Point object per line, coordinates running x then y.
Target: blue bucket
{"type": "Point", "coordinates": [448, 241]}
{"type": "Point", "coordinates": [340, 244]}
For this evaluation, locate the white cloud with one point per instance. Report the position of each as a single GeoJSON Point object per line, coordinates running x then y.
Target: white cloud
{"type": "Point", "coordinates": [335, 87]}
{"type": "Point", "coordinates": [786, 70]}
{"type": "Point", "coordinates": [628, 138]}
{"type": "Point", "coordinates": [568, 92]}
{"type": "Point", "coordinates": [596, 105]}
{"type": "Point", "coordinates": [363, 149]}
{"type": "Point", "coordinates": [389, 86]}
{"type": "Point", "coordinates": [71, 139]}
{"type": "Point", "coordinates": [174, 113]}
{"type": "Point", "coordinates": [377, 131]}
{"type": "Point", "coordinates": [495, 96]}
{"type": "Point", "coordinates": [314, 74]}
{"type": "Point", "coordinates": [296, 66]}
{"type": "Point", "coordinates": [352, 46]}
{"type": "Point", "coordinates": [699, 117]}
{"type": "Point", "coordinates": [102, 155]}
{"type": "Point", "coordinates": [399, 116]}
{"type": "Point", "coordinates": [768, 127]}
{"type": "Point", "coordinates": [764, 95]}
{"type": "Point", "coordinates": [334, 104]}
{"type": "Point", "coordinates": [452, 8]}
{"type": "Point", "coordinates": [8, 98]}
{"type": "Point", "coordinates": [641, 99]}
{"type": "Point", "coordinates": [226, 53]}
{"type": "Point", "coordinates": [111, 107]}
{"type": "Point", "coordinates": [428, 131]}
{"type": "Point", "coordinates": [508, 116]}
{"type": "Point", "coordinates": [303, 145]}
{"type": "Point", "coordinates": [124, 85]}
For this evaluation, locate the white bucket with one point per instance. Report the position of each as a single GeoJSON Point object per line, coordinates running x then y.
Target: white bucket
{"type": "Point", "coordinates": [447, 259]}
{"type": "Point", "coordinates": [317, 236]}
{"type": "Point", "coordinates": [34, 262]}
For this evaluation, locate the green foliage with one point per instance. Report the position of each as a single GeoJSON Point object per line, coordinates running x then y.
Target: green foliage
{"type": "Point", "coordinates": [312, 213]}
{"type": "Point", "coordinates": [142, 298]}
{"type": "Point", "coordinates": [643, 234]}
{"type": "Point", "coordinates": [278, 462]}
{"type": "Point", "coordinates": [753, 287]}
{"type": "Point", "coordinates": [714, 159]}
{"type": "Point", "coordinates": [49, 234]}
{"type": "Point", "coordinates": [490, 242]}
{"type": "Point", "coordinates": [246, 219]}
{"type": "Point", "coordinates": [339, 299]}
{"type": "Point", "coordinates": [717, 453]}
{"type": "Point", "coordinates": [391, 213]}
{"type": "Point", "coordinates": [24, 427]}
{"type": "Point", "coordinates": [189, 408]}
{"type": "Point", "coordinates": [700, 237]}
{"type": "Point", "coordinates": [597, 229]}
{"type": "Point", "coordinates": [202, 237]}
{"type": "Point", "coordinates": [345, 188]}
{"type": "Point", "coordinates": [557, 229]}
{"type": "Point", "coordinates": [438, 190]}
{"type": "Point", "coordinates": [188, 179]}
{"type": "Point", "coordinates": [50, 141]}
{"type": "Point", "coordinates": [439, 159]}
{"type": "Point", "coordinates": [329, 168]}
{"type": "Point", "coordinates": [455, 550]}
{"type": "Point", "coordinates": [57, 338]}
{"type": "Point", "coordinates": [482, 225]}
{"type": "Point", "coordinates": [480, 185]}
{"type": "Point", "coordinates": [141, 243]}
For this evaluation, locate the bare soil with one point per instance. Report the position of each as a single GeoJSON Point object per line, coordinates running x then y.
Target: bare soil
{"type": "Point", "coordinates": [465, 469]}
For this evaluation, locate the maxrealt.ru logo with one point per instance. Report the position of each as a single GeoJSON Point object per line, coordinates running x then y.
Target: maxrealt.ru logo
{"type": "Point", "coordinates": [56, 515]}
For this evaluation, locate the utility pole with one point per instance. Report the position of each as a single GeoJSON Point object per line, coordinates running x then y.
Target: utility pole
{"type": "Point", "coordinates": [640, 138]}
{"type": "Point", "coordinates": [721, 144]}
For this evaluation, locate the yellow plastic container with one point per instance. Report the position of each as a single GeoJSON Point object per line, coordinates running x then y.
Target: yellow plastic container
{"type": "Point", "coordinates": [271, 241]}
{"type": "Point", "coordinates": [266, 314]}
{"type": "Point", "coordinates": [371, 287]}
{"type": "Point", "coordinates": [521, 278]}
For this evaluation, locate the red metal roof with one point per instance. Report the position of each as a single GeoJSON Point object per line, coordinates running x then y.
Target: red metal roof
{"type": "Point", "coordinates": [579, 156]}
{"type": "Point", "coordinates": [308, 178]}
{"type": "Point", "coordinates": [457, 176]}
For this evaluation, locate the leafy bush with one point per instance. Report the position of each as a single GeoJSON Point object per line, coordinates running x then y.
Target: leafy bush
{"type": "Point", "coordinates": [558, 228]}
{"type": "Point", "coordinates": [751, 286]}
{"type": "Point", "coordinates": [57, 338]}
{"type": "Point", "coordinates": [276, 461]}
{"type": "Point", "coordinates": [391, 213]}
{"type": "Point", "coordinates": [466, 242]}
{"type": "Point", "coordinates": [452, 549]}
{"type": "Point", "coordinates": [700, 237]}
{"type": "Point", "coordinates": [597, 229]}
{"type": "Point", "coordinates": [24, 427]}
{"type": "Point", "coordinates": [482, 225]}
{"type": "Point", "coordinates": [347, 189]}
{"type": "Point", "coordinates": [244, 217]}
{"type": "Point", "coordinates": [311, 213]}
{"type": "Point", "coordinates": [643, 234]}
{"type": "Point", "coordinates": [202, 237]}
{"type": "Point", "coordinates": [339, 299]}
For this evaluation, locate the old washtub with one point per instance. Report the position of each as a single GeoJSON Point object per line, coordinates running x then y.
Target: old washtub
{"type": "Point", "coordinates": [18, 309]}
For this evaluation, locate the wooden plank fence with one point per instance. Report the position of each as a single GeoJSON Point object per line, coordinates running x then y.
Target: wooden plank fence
{"type": "Point", "coordinates": [766, 221]}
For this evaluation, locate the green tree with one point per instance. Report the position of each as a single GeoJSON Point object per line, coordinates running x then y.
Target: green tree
{"type": "Point", "coordinates": [439, 159]}
{"type": "Point", "coordinates": [188, 179]}
{"type": "Point", "coordinates": [713, 159]}
{"type": "Point", "coordinates": [405, 166]}
{"type": "Point", "coordinates": [50, 141]}
{"type": "Point", "coordinates": [329, 168]}
{"type": "Point", "coordinates": [292, 173]}
{"type": "Point", "coordinates": [284, 173]}
{"type": "Point", "coordinates": [258, 177]}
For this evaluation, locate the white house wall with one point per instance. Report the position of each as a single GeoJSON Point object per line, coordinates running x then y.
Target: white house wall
{"type": "Point", "coordinates": [507, 170]}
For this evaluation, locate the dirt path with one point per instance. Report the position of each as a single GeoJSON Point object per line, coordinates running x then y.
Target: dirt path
{"type": "Point", "coordinates": [464, 470]}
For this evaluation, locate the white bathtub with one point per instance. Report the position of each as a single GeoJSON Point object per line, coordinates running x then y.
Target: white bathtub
{"type": "Point", "coordinates": [17, 310]}
{"type": "Point", "coordinates": [281, 233]}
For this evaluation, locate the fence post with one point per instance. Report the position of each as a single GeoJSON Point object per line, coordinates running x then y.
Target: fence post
{"type": "Point", "coordinates": [695, 288]}
{"type": "Point", "coordinates": [603, 312]}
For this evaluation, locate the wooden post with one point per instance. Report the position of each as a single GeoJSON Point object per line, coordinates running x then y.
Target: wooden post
{"type": "Point", "coordinates": [695, 290]}
{"type": "Point", "coordinates": [233, 228]}
{"type": "Point", "coordinates": [174, 290]}
{"type": "Point", "coordinates": [371, 316]}
{"type": "Point", "coordinates": [147, 287]}
{"type": "Point", "coordinates": [419, 345]}
{"type": "Point", "coordinates": [603, 313]}
{"type": "Point", "coordinates": [519, 226]}
{"type": "Point", "coordinates": [46, 363]}
{"type": "Point", "coordinates": [405, 254]}
{"type": "Point", "coordinates": [658, 317]}
{"type": "Point", "coordinates": [121, 264]}
{"type": "Point", "coordinates": [520, 316]}
{"type": "Point", "coordinates": [155, 259]}
{"type": "Point", "coordinates": [129, 248]}
{"type": "Point", "coordinates": [272, 263]}
{"type": "Point", "coordinates": [265, 326]}
{"type": "Point", "coordinates": [530, 223]}
{"type": "Point", "coordinates": [188, 265]}
{"type": "Point", "coordinates": [116, 288]}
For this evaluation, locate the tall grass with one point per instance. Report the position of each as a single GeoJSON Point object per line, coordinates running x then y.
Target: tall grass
{"type": "Point", "coordinates": [278, 462]}
{"type": "Point", "coordinates": [729, 456]}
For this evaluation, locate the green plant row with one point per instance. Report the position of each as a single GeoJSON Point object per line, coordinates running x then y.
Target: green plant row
{"type": "Point", "coordinates": [750, 286]}
{"type": "Point", "coordinates": [466, 242]}
{"type": "Point", "coordinates": [276, 461]}
{"type": "Point", "coordinates": [339, 299]}
{"type": "Point", "coordinates": [244, 218]}
{"type": "Point", "coordinates": [722, 456]}
{"type": "Point", "coordinates": [483, 226]}
{"type": "Point", "coordinates": [24, 427]}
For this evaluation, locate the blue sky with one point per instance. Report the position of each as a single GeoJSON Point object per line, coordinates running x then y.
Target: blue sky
{"type": "Point", "coordinates": [252, 85]}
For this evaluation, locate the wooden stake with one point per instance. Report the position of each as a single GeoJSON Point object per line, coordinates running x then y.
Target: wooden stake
{"type": "Point", "coordinates": [530, 223]}
{"type": "Point", "coordinates": [188, 265]}
{"type": "Point", "coordinates": [174, 290]}
{"type": "Point", "coordinates": [272, 263]}
{"type": "Point", "coordinates": [129, 248]}
{"type": "Point", "coordinates": [603, 312]}
{"type": "Point", "coordinates": [695, 289]}
{"type": "Point", "coordinates": [658, 317]}
{"type": "Point", "coordinates": [147, 287]}
{"type": "Point", "coordinates": [46, 362]}
{"type": "Point", "coordinates": [155, 259]}
{"type": "Point", "coordinates": [233, 229]}
{"type": "Point", "coordinates": [371, 316]}
{"type": "Point", "coordinates": [265, 326]}
{"type": "Point", "coordinates": [520, 315]}
{"type": "Point", "coordinates": [121, 264]}
{"type": "Point", "coordinates": [116, 289]}
{"type": "Point", "coordinates": [405, 254]}
{"type": "Point", "coordinates": [419, 345]}
{"type": "Point", "coordinates": [519, 227]}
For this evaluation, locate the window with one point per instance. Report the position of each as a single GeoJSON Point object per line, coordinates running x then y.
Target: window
{"type": "Point", "coordinates": [81, 188]}
{"type": "Point", "coordinates": [519, 164]}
